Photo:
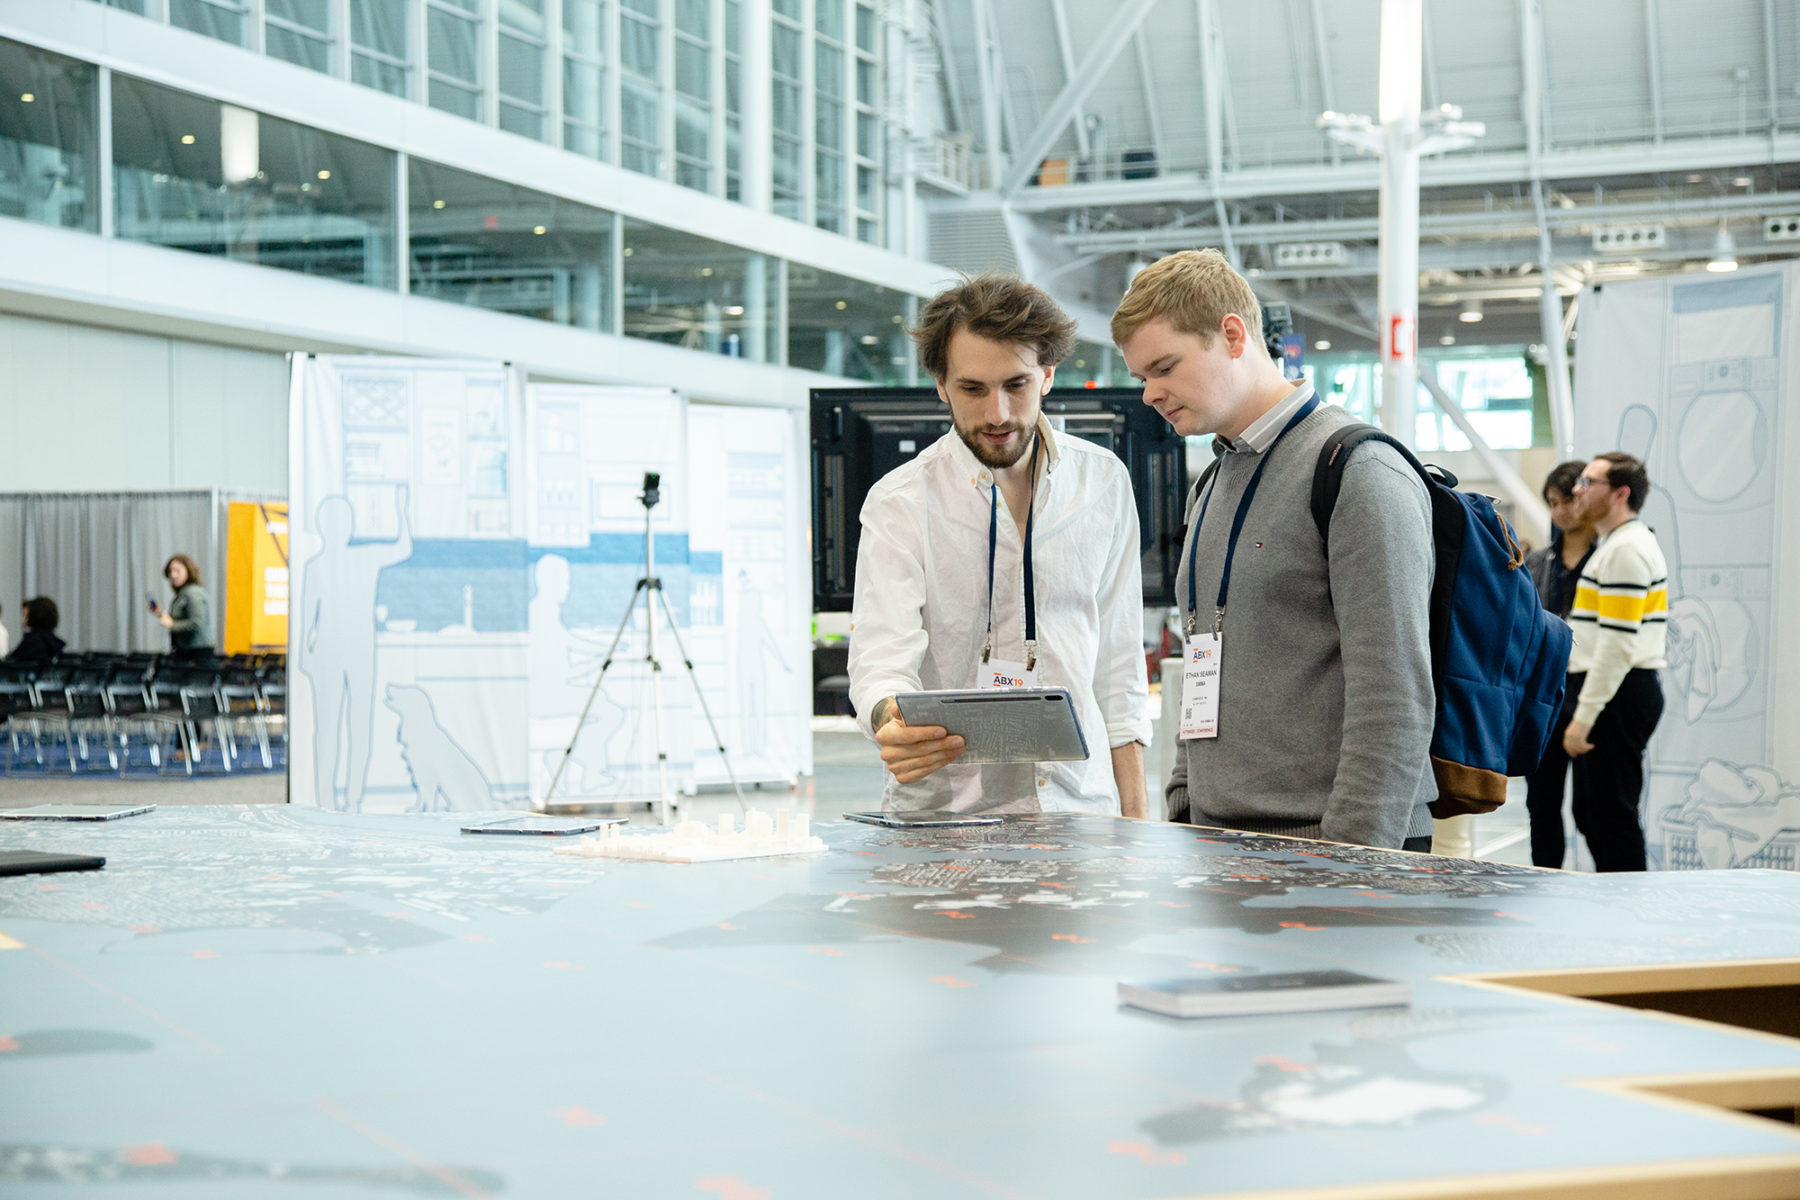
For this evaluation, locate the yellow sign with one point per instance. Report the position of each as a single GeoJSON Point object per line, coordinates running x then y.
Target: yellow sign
{"type": "Point", "coordinates": [256, 569]}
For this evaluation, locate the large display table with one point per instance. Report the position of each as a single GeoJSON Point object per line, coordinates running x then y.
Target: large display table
{"type": "Point", "coordinates": [279, 1002]}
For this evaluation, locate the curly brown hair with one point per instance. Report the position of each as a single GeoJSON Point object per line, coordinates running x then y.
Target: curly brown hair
{"type": "Point", "coordinates": [193, 568]}
{"type": "Point", "coordinates": [1001, 308]}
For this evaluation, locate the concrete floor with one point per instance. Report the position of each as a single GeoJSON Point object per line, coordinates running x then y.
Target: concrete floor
{"type": "Point", "coordinates": [847, 776]}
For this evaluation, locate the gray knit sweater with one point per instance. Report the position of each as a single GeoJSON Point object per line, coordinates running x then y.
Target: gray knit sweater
{"type": "Point", "coordinates": [1325, 697]}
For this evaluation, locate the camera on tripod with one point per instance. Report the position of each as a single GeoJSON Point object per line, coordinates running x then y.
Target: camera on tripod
{"type": "Point", "coordinates": [652, 489]}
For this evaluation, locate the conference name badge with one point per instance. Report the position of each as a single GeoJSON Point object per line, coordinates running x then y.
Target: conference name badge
{"type": "Point", "coordinates": [1200, 686]}
{"type": "Point", "coordinates": [998, 675]}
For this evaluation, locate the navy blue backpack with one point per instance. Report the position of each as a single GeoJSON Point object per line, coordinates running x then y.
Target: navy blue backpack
{"type": "Point", "coordinates": [1499, 661]}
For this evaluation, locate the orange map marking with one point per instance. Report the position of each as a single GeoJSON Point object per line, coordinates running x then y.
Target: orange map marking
{"type": "Point", "coordinates": [149, 1154]}
{"type": "Point", "coordinates": [1144, 1152]}
{"type": "Point", "coordinates": [577, 1117]}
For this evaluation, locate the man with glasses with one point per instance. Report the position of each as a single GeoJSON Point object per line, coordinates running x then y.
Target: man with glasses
{"type": "Point", "coordinates": [1620, 617]}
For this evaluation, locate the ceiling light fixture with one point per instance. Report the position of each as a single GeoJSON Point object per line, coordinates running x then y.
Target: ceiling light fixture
{"type": "Point", "coordinates": [437, 204]}
{"type": "Point", "coordinates": [1321, 344]}
{"type": "Point", "coordinates": [187, 139]}
{"type": "Point", "coordinates": [324, 174]}
{"type": "Point", "coordinates": [1471, 312]}
{"type": "Point", "coordinates": [27, 98]}
{"type": "Point", "coordinates": [539, 230]}
{"type": "Point", "coordinates": [1449, 339]}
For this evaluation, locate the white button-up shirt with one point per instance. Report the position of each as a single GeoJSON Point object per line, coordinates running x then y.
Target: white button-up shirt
{"type": "Point", "coordinates": [920, 615]}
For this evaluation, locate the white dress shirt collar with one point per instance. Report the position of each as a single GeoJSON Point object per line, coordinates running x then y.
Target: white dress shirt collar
{"type": "Point", "coordinates": [1265, 429]}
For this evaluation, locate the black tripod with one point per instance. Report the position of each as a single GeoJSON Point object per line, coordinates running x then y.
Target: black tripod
{"type": "Point", "coordinates": [648, 586]}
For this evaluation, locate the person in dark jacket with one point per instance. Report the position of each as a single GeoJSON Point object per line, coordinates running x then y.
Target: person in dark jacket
{"type": "Point", "coordinates": [189, 616]}
{"type": "Point", "coordinates": [40, 645]}
{"type": "Point", "coordinates": [1555, 569]}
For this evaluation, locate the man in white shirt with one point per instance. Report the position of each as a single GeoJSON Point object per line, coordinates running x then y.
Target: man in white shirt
{"type": "Point", "coordinates": [1003, 551]}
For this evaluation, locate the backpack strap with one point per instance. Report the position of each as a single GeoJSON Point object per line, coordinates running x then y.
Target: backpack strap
{"type": "Point", "coordinates": [1334, 456]}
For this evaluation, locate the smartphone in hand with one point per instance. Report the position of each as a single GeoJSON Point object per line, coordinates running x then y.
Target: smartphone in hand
{"type": "Point", "coordinates": [150, 599]}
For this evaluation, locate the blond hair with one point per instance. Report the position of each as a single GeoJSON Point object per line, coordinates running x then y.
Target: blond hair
{"type": "Point", "coordinates": [1001, 308]}
{"type": "Point", "coordinates": [1194, 290]}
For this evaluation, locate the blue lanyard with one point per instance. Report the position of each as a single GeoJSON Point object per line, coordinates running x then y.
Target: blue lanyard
{"type": "Point", "coordinates": [1237, 523]}
{"type": "Point", "coordinates": [993, 543]}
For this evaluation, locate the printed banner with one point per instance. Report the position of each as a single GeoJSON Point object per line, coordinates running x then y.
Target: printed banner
{"type": "Point", "coordinates": [1696, 375]}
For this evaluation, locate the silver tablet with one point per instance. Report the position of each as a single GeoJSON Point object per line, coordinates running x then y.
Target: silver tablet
{"type": "Point", "coordinates": [543, 826]}
{"type": "Point", "coordinates": [1027, 725]}
{"type": "Point", "coordinates": [76, 812]}
{"type": "Point", "coordinates": [920, 820]}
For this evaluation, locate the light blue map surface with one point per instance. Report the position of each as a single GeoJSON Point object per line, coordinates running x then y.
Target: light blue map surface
{"type": "Point", "coordinates": [291, 1003]}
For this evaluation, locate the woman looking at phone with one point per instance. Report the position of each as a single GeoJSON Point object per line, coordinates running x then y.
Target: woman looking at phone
{"type": "Point", "coordinates": [189, 616]}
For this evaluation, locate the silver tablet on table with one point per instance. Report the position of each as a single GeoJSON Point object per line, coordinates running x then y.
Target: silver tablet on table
{"type": "Point", "coordinates": [1026, 725]}
{"type": "Point", "coordinates": [76, 812]}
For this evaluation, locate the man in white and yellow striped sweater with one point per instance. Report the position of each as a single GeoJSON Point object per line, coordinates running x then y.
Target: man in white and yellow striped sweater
{"type": "Point", "coordinates": [1620, 615]}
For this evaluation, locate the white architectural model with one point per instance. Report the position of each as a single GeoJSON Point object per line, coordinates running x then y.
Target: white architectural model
{"type": "Point", "coordinates": [763, 836]}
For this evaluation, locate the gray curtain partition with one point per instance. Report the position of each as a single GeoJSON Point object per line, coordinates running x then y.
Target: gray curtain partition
{"type": "Point", "coordinates": [97, 553]}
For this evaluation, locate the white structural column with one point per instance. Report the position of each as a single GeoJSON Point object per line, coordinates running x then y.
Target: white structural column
{"type": "Point", "coordinates": [1399, 135]}
{"type": "Point", "coordinates": [1212, 80]}
{"type": "Point", "coordinates": [1556, 340]}
{"type": "Point", "coordinates": [1397, 287]}
{"type": "Point", "coordinates": [989, 86]}
{"type": "Point", "coordinates": [756, 107]}
{"type": "Point", "coordinates": [1550, 309]}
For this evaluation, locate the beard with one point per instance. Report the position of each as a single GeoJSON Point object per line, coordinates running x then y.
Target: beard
{"type": "Point", "coordinates": [998, 458]}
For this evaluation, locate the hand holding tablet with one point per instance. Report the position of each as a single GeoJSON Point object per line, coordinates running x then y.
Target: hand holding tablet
{"type": "Point", "coordinates": [1020, 725]}
{"type": "Point", "coordinates": [912, 751]}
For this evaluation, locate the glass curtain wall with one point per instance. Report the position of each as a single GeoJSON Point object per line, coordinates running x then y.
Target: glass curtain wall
{"type": "Point", "coordinates": [788, 152]}
{"type": "Point", "coordinates": [48, 132]}
{"type": "Point", "coordinates": [221, 19]}
{"type": "Point", "coordinates": [653, 85]}
{"type": "Point", "coordinates": [868, 125]}
{"type": "Point", "coordinates": [489, 244]}
{"type": "Point", "coordinates": [640, 86]}
{"type": "Point", "coordinates": [453, 37]}
{"type": "Point", "coordinates": [847, 327]}
{"type": "Point", "coordinates": [194, 174]}
{"type": "Point", "coordinates": [693, 94]}
{"type": "Point", "coordinates": [584, 77]}
{"type": "Point", "coordinates": [524, 39]}
{"type": "Point", "coordinates": [378, 45]}
{"type": "Point", "coordinates": [828, 114]}
{"type": "Point", "coordinates": [699, 294]}
{"type": "Point", "coordinates": [734, 99]}
{"type": "Point", "coordinates": [298, 31]}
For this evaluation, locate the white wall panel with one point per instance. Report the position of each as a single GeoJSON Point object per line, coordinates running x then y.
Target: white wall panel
{"type": "Point", "coordinates": [86, 409]}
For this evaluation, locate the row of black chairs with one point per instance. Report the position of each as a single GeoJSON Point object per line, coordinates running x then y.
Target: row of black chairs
{"type": "Point", "coordinates": [94, 710]}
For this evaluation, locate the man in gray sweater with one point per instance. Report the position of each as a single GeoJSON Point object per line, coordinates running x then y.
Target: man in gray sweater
{"type": "Point", "coordinates": [1307, 698]}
